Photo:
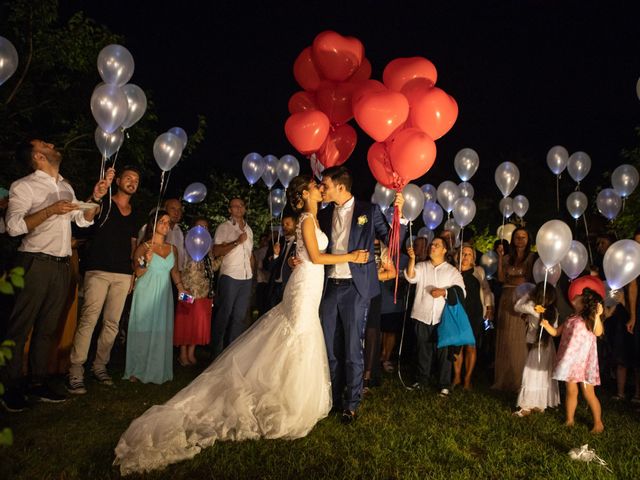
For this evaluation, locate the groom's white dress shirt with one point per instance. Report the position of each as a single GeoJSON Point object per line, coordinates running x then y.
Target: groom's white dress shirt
{"type": "Point", "coordinates": [340, 229]}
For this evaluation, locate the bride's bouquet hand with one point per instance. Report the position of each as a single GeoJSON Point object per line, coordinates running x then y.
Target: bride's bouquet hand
{"type": "Point", "coordinates": [360, 256]}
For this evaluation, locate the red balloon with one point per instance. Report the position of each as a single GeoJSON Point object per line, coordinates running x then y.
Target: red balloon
{"type": "Point", "coordinates": [301, 102]}
{"type": "Point", "coordinates": [363, 73]}
{"type": "Point", "coordinates": [334, 99]}
{"type": "Point", "coordinates": [305, 71]}
{"type": "Point", "coordinates": [587, 281]}
{"type": "Point", "coordinates": [412, 153]}
{"type": "Point", "coordinates": [434, 113]}
{"type": "Point", "coordinates": [307, 131]}
{"type": "Point", "coordinates": [338, 146]}
{"type": "Point", "coordinates": [399, 71]}
{"type": "Point", "coordinates": [415, 89]}
{"type": "Point", "coordinates": [378, 160]}
{"type": "Point", "coordinates": [379, 114]}
{"type": "Point", "coordinates": [364, 88]}
{"type": "Point", "coordinates": [337, 57]}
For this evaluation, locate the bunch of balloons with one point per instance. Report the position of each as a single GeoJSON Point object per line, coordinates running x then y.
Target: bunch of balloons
{"type": "Point", "coordinates": [270, 169]}
{"type": "Point", "coordinates": [115, 104]}
{"type": "Point", "coordinates": [329, 72]}
{"type": "Point", "coordinates": [624, 180]}
{"type": "Point", "coordinates": [168, 147]}
{"type": "Point", "coordinates": [8, 60]}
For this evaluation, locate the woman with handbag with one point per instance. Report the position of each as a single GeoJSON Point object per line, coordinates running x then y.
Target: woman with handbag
{"type": "Point", "coordinates": [434, 280]}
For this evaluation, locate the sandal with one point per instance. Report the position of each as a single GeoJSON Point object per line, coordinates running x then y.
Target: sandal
{"type": "Point", "coordinates": [523, 412]}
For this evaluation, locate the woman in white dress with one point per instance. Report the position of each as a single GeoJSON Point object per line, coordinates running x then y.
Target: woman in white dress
{"type": "Point", "coordinates": [272, 382]}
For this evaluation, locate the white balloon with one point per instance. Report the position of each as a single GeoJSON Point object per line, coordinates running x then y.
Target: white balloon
{"type": "Point", "coordinates": [520, 205]}
{"type": "Point", "coordinates": [553, 273]}
{"type": "Point", "coordinates": [466, 163]}
{"type": "Point", "coordinates": [270, 175]}
{"type": "Point", "coordinates": [624, 180]}
{"type": "Point", "coordinates": [448, 193]}
{"type": "Point", "coordinates": [108, 143]}
{"type": "Point", "coordinates": [575, 261]}
{"type": "Point", "coordinates": [506, 207]}
{"type": "Point", "coordinates": [489, 261]}
{"type": "Point", "coordinates": [464, 209]}
{"type": "Point", "coordinates": [466, 190]}
{"type": "Point", "coordinates": [167, 150]}
{"type": "Point", "coordinates": [287, 168]}
{"type": "Point", "coordinates": [577, 204]}
{"type": "Point", "coordinates": [8, 60]}
{"type": "Point", "coordinates": [109, 107]}
{"type": "Point", "coordinates": [413, 201]}
{"type": "Point", "coordinates": [430, 193]}
{"type": "Point", "coordinates": [609, 203]}
{"type": "Point", "coordinates": [115, 65]}
{"type": "Point", "coordinates": [506, 177]}
{"type": "Point", "coordinates": [505, 232]}
{"type": "Point", "coordinates": [622, 263]}
{"type": "Point", "coordinates": [553, 242]}
{"type": "Point", "coordinates": [137, 104]}
{"type": "Point", "coordinates": [383, 196]}
{"type": "Point", "coordinates": [578, 166]}
{"type": "Point", "coordinates": [557, 159]}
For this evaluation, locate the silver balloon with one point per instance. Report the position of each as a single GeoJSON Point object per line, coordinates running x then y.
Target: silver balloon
{"type": "Point", "coordinates": [506, 177]}
{"type": "Point", "coordinates": [466, 163]}
{"type": "Point", "coordinates": [553, 273]}
{"type": "Point", "coordinates": [8, 60]}
{"type": "Point", "coordinates": [137, 104]}
{"type": "Point", "coordinates": [609, 203]}
{"type": "Point", "coordinates": [167, 150]}
{"type": "Point", "coordinates": [115, 65]}
{"type": "Point", "coordinates": [557, 159]}
{"type": "Point", "coordinates": [464, 209]}
{"type": "Point", "coordinates": [489, 261]}
{"type": "Point", "coordinates": [430, 192]}
{"type": "Point", "coordinates": [506, 207]}
{"type": "Point", "coordinates": [432, 214]}
{"type": "Point", "coordinates": [253, 167]}
{"type": "Point", "coordinates": [578, 166]}
{"type": "Point", "coordinates": [277, 201]}
{"type": "Point", "coordinates": [577, 204]}
{"type": "Point", "coordinates": [383, 196]}
{"type": "Point", "coordinates": [622, 263]}
{"type": "Point", "coordinates": [451, 226]}
{"type": "Point", "coordinates": [181, 134]}
{"type": "Point", "coordinates": [270, 175]}
{"type": "Point", "coordinates": [409, 241]}
{"type": "Point", "coordinates": [520, 205]}
{"type": "Point", "coordinates": [109, 107]}
{"type": "Point", "coordinates": [553, 242]}
{"type": "Point", "coordinates": [624, 180]}
{"type": "Point", "coordinates": [413, 201]}
{"type": "Point", "coordinates": [504, 232]}
{"type": "Point", "coordinates": [448, 192]}
{"type": "Point", "coordinates": [575, 261]}
{"type": "Point", "coordinates": [108, 143]}
{"type": "Point", "coordinates": [426, 233]}
{"type": "Point", "coordinates": [195, 193]}
{"type": "Point", "coordinates": [466, 190]}
{"type": "Point", "coordinates": [287, 168]}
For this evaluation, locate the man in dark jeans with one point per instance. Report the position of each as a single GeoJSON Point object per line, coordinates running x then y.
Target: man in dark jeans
{"type": "Point", "coordinates": [41, 207]}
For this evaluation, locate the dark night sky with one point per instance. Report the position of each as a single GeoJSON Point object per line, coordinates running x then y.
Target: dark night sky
{"type": "Point", "coordinates": [527, 75]}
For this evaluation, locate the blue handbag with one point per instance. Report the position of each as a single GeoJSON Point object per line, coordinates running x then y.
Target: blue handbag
{"type": "Point", "coordinates": [454, 328]}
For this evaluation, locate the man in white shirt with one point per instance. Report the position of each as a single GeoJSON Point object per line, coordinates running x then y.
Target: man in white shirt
{"type": "Point", "coordinates": [41, 207]}
{"type": "Point", "coordinates": [233, 241]}
{"type": "Point", "coordinates": [433, 278]}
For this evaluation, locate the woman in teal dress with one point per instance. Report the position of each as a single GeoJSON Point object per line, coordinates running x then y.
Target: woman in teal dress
{"type": "Point", "coordinates": [150, 334]}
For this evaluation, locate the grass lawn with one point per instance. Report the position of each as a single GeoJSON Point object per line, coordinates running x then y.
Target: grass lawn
{"type": "Point", "coordinates": [400, 434]}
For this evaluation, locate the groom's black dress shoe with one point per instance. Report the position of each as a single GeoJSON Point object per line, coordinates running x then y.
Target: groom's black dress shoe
{"type": "Point", "coordinates": [348, 417]}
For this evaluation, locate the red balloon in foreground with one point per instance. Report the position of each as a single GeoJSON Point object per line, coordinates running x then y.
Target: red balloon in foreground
{"type": "Point", "coordinates": [337, 57]}
{"type": "Point", "coordinates": [334, 99]}
{"type": "Point", "coordinates": [434, 113]}
{"type": "Point", "coordinates": [363, 73]}
{"type": "Point", "coordinates": [307, 131]}
{"type": "Point", "coordinates": [379, 114]}
{"type": "Point", "coordinates": [587, 281]}
{"type": "Point", "coordinates": [364, 88]}
{"type": "Point", "coordinates": [412, 153]}
{"type": "Point", "coordinates": [301, 102]}
{"type": "Point", "coordinates": [401, 70]}
{"type": "Point", "coordinates": [305, 71]}
{"type": "Point", "coordinates": [338, 146]}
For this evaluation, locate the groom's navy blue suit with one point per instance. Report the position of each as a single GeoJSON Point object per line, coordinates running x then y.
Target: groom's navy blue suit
{"type": "Point", "coordinates": [345, 303]}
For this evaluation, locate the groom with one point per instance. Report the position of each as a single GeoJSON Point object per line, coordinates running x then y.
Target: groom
{"type": "Point", "coordinates": [350, 224]}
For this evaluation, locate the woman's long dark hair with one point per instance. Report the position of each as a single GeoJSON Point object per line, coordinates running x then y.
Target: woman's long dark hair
{"type": "Point", "coordinates": [590, 301]}
{"type": "Point", "coordinates": [513, 253]}
{"type": "Point", "coordinates": [148, 232]}
{"type": "Point", "coordinates": [294, 193]}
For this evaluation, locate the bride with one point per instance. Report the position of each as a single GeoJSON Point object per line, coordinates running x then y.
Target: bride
{"type": "Point", "coordinates": [272, 382]}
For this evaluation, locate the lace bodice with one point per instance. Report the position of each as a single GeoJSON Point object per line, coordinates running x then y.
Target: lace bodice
{"type": "Point", "coordinates": [301, 250]}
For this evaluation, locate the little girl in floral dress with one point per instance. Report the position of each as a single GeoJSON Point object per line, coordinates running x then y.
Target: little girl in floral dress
{"type": "Point", "coordinates": [577, 360]}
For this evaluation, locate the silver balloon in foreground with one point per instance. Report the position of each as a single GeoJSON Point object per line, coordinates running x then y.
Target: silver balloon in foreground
{"type": "Point", "coordinates": [621, 263]}
{"type": "Point", "coordinates": [8, 60]}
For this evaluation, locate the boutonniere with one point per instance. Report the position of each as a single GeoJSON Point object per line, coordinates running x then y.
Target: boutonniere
{"type": "Point", "coordinates": [362, 219]}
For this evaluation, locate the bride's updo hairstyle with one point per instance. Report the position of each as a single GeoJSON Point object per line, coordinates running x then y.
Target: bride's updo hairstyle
{"type": "Point", "coordinates": [294, 193]}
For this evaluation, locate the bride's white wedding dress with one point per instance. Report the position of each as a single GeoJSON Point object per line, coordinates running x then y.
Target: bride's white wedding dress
{"type": "Point", "coordinates": [272, 382]}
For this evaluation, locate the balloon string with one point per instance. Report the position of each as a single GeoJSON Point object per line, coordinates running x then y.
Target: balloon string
{"type": "Point", "coordinates": [586, 229]}
{"type": "Point", "coordinates": [115, 159]}
{"type": "Point", "coordinates": [404, 322]}
{"type": "Point", "coordinates": [460, 253]}
{"type": "Point", "coordinates": [558, 192]}
{"type": "Point", "coordinates": [166, 184]}
{"type": "Point", "coordinates": [394, 247]}
{"type": "Point", "coordinates": [155, 219]}
{"type": "Point", "coordinates": [273, 244]}
{"type": "Point", "coordinates": [410, 234]}
{"type": "Point", "coordinates": [502, 231]}
{"type": "Point", "coordinates": [544, 296]}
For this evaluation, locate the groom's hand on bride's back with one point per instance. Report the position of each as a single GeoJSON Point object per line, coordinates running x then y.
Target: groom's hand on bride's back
{"type": "Point", "coordinates": [294, 261]}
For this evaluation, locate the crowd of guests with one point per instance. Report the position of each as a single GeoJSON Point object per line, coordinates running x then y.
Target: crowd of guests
{"type": "Point", "coordinates": [177, 303]}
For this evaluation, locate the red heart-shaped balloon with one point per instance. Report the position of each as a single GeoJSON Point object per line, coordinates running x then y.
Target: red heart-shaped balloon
{"type": "Point", "coordinates": [305, 71]}
{"type": "Point", "coordinates": [435, 112]}
{"type": "Point", "coordinates": [301, 102]}
{"type": "Point", "coordinates": [380, 113]}
{"type": "Point", "coordinates": [338, 146]}
{"type": "Point", "coordinates": [401, 70]}
{"type": "Point", "coordinates": [412, 153]}
{"type": "Point", "coordinates": [337, 57]}
{"type": "Point", "coordinates": [307, 131]}
{"type": "Point", "coordinates": [364, 88]}
{"type": "Point", "coordinates": [334, 99]}
{"type": "Point", "coordinates": [378, 160]}
{"type": "Point", "coordinates": [363, 73]}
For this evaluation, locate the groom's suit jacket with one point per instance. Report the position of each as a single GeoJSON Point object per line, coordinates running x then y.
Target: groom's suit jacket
{"type": "Point", "coordinates": [367, 224]}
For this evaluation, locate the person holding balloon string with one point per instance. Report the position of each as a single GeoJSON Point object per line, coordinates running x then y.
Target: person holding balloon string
{"type": "Point", "coordinates": [193, 315]}
{"type": "Point", "coordinates": [149, 356]}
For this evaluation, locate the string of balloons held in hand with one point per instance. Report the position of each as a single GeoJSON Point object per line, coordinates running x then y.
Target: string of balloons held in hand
{"type": "Point", "coordinates": [404, 114]}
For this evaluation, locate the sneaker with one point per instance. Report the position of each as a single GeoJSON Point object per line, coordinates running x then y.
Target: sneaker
{"type": "Point", "coordinates": [75, 386]}
{"type": "Point", "coordinates": [444, 393]}
{"type": "Point", "coordinates": [42, 393]}
{"type": "Point", "coordinates": [14, 401]}
{"type": "Point", "coordinates": [102, 377]}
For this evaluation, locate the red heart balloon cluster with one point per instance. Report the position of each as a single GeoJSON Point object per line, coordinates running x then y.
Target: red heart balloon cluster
{"type": "Point", "coordinates": [329, 71]}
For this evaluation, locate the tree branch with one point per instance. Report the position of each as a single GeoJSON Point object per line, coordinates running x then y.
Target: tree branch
{"type": "Point", "coordinates": [33, 107]}
{"type": "Point", "coordinates": [75, 139]}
